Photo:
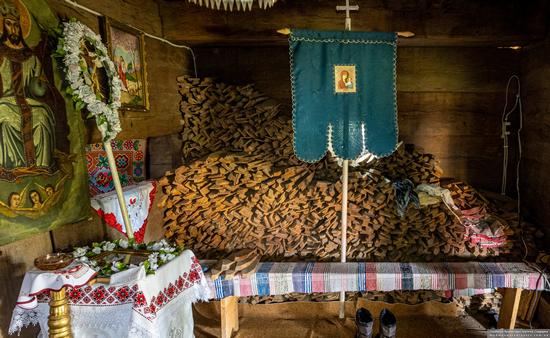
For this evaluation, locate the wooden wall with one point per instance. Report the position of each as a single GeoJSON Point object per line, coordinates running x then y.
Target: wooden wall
{"type": "Point", "coordinates": [164, 64]}
{"type": "Point", "coordinates": [535, 88]}
{"type": "Point", "coordinates": [435, 23]}
{"type": "Point", "coordinates": [450, 99]}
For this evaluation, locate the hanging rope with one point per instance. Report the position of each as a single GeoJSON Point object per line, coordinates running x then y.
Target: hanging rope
{"type": "Point", "coordinates": [505, 123]}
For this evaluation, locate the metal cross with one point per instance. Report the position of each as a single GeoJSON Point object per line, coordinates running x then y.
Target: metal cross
{"type": "Point", "coordinates": [348, 8]}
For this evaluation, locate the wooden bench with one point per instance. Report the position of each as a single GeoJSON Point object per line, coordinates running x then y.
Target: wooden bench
{"type": "Point", "coordinates": [465, 278]}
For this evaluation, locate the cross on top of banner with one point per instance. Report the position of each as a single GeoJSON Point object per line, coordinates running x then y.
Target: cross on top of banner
{"type": "Point", "coordinates": [348, 8]}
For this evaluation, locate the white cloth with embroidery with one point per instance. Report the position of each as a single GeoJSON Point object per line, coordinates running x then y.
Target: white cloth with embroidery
{"type": "Point", "coordinates": [139, 198]}
{"type": "Point", "coordinates": [36, 281]}
{"type": "Point", "coordinates": [133, 305]}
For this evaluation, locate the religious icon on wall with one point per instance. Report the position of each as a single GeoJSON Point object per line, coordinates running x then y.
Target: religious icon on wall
{"type": "Point", "coordinates": [41, 159]}
{"type": "Point", "coordinates": [126, 47]}
{"type": "Point", "coordinates": [344, 79]}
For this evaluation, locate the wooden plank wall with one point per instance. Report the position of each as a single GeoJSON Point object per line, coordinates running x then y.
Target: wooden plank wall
{"type": "Point", "coordinates": [535, 89]}
{"type": "Point", "coordinates": [449, 99]}
{"type": "Point", "coordinates": [435, 23]}
{"type": "Point", "coordinates": [164, 64]}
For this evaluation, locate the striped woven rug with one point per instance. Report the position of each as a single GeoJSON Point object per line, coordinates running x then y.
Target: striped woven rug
{"type": "Point", "coordinates": [463, 278]}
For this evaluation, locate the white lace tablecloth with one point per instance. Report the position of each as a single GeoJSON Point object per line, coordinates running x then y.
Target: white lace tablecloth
{"type": "Point", "coordinates": [139, 199]}
{"type": "Point", "coordinates": [132, 305]}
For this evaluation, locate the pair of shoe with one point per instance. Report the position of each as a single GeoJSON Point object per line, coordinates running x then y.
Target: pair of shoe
{"type": "Point", "coordinates": [364, 322]}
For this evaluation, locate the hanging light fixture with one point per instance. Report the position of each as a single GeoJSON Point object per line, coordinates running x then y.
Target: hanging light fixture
{"type": "Point", "coordinates": [239, 5]}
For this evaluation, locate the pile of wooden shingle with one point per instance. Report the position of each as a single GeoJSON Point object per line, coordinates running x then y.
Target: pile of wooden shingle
{"type": "Point", "coordinates": [242, 187]}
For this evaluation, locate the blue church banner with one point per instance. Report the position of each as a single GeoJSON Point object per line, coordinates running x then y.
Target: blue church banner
{"type": "Point", "coordinates": [343, 93]}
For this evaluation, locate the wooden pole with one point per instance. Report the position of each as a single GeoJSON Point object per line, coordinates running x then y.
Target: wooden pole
{"type": "Point", "coordinates": [344, 241]}
{"type": "Point", "coordinates": [509, 309]}
{"type": "Point", "coordinates": [118, 188]}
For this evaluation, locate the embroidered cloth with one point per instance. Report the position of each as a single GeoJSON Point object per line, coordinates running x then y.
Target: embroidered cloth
{"type": "Point", "coordinates": [343, 93]}
{"type": "Point", "coordinates": [130, 162]}
{"type": "Point", "coordinates": [139, 200]}
{"type": "Point", "coordinates": [36, 281]}
{"type": "Point", "coordinates": [463, 278]}
{"type": "Point", "coordinates": [157, 305]}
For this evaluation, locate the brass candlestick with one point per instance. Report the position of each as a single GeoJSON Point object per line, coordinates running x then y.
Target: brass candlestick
{"type": "Point", "coordinates": [59, 320]}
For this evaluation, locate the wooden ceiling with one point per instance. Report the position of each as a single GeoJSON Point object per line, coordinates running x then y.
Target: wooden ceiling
{"type": "Point", "coordinates": [435, 22]}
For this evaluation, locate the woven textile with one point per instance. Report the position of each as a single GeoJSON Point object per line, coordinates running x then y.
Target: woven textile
{"type": "Point", "coordinates": [343, 93]}
{"type": "Point", "coordinates": [156, 305]}
{"type": "Point", "coordinates": [130, 161]}
{"type": "Point", "coordinates": [464, 278]}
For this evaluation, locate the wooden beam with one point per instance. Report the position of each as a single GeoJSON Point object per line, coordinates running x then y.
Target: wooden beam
{"type": "Point", "coordinates": [453, 23]}
{"type": "Point", "coordinates": [229, 310]}
{"type": "Point", "coordinates": [509, 309]}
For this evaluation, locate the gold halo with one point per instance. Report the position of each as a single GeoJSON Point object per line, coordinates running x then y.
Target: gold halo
{"type": "Point", "coordinates": [24, 19]}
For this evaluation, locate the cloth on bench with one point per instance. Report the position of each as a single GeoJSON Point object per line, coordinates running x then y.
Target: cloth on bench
{"type": "Point", "coordinates": [464, 278]}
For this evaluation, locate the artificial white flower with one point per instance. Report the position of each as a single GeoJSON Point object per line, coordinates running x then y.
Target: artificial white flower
{"type": "Point", "coordinates": [93, 265]}
{"type": "Point", "coordinates": [109, 246]}
{"type": "Point", "coordinates": [153, 261]}
{"type": "Point", "coordinates": [156, 246]}
{"type": "Point", "coordinates": [74, 33]}
{"type": "Point", "coordinates": [96, 250]}
{"type": "Point", "coordinates": [123, 243]}
{"type": "Point", "coordinates": [166, 257]}
{"type": "Point", "coordinates": [79, 252]}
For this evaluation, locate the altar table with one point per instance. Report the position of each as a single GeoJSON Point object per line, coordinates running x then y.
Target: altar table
{"type": "Point", "coordinates": [131, 305]}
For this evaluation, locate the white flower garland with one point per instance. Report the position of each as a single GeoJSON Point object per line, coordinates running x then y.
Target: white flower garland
{"type": "Point", "coordinates": [161, 252]}
{"type": "Point", "coordinates": [79, 77]}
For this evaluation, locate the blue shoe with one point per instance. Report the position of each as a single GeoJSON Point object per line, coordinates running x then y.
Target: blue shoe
{"type": "Point", "coordinates": [364, 322]}
{"type": "Point", "coordinates": [388, 324]}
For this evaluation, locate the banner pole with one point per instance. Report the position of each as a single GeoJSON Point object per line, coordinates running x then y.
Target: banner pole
{"type": "Point", "coordinates": [344, 241]}
{"type": "Point", "coordinates": [118, 188]}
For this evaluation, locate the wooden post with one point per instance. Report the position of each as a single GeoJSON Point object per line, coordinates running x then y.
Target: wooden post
{"type": "Point", "coordinates": [118, 188]}
{"type": "Point", "coordinates": [59, 320]}
{"type": "Point", "coordinates": [344, 240]}
{"type": "Point", "coordinates": [229, 310]}
{"type": "Point", "coordinates": [509, 308]}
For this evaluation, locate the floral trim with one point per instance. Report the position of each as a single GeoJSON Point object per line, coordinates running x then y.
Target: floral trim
{"type": "Point", "coordinates": [70, 49]}
{"type": "Point", "coordinates": [161, 253]}
{"type": "Point", "coordinates": [346, 41]}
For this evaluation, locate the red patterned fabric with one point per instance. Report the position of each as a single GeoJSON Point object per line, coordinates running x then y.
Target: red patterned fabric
{"type": "Point", "coordinates": [139, 200]}
{"type": "Point", "coordinates": [118, 295]}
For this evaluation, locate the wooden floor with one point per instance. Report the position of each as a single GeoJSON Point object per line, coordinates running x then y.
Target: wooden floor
{"type": "Point", "coordinates": [313, 319]}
